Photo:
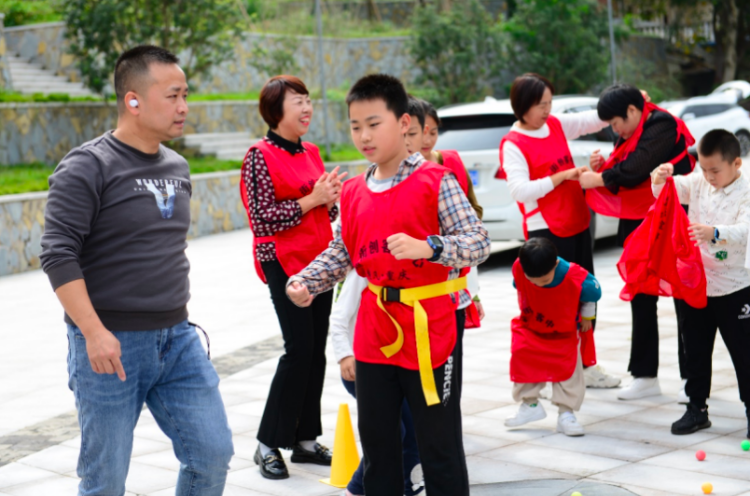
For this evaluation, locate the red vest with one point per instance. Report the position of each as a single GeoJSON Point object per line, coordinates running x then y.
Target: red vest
{"type": "Point", "coordinates": [660, 258]}
{"type": "Point", "coordinates": [293, 177]}
{"type": "Point", "coordinates": [453, 161]}
{"type": "Point", "coordinates": [564, 208]}
{"type": "Point", "coordinates": [368, 219]}
{"type": "Point", "coordinates": [634, 203]}
{"type": "Point", "coordinates": [544, 343]}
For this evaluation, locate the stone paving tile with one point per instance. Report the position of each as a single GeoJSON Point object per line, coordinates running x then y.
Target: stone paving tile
{"type": "Point", "coordinates": [671, 480]}
{"type": "Point", "coordinates": [592, 444]}
{"type": "Point", "coordinates": [571, 462]}
{"type": "Point", "coordinates": [735, 467]}
{"type": "Point", "coordinates": [627, 443]}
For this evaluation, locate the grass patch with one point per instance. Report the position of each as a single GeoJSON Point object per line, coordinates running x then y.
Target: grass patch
{"type": "Point", "coordinates": [17, 179]}
{"type": "Point", "coordinates": [28, 178]}
{"type": "Point", "coordinates": [14, 97]}
{"type": "Point", "coordinates": [340, 152]}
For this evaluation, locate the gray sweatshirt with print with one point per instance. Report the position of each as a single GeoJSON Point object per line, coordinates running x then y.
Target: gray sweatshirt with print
{"type": "Point", "coordinates": [118, 219]}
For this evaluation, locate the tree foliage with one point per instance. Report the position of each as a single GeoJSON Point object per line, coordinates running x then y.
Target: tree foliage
{"type": "Point", "coordinates": [458, 51]}
{"type": "Point", "coordinates": [564, 40]}
{"type": "Point", "coordinates": [201, 32]}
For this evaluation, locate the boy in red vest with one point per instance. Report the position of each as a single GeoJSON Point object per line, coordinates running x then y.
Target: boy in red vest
{"type": "Point", "coordinates": [719, 213]}
{"type": "Point", "coordinates": [407, 227]}
{"type": "Point", "coordinates": [556, 299]}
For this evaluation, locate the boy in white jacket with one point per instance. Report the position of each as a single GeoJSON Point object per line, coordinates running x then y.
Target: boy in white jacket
{"type": "Point", "coordinates": [342, 322]}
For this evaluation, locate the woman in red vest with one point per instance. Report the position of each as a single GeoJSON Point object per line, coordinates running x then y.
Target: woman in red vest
{"type": "Point", "coordinates": [621, 187]}
{"type": "Point", "coordinates": [543, 180]}
{"type": "Point", "coordinates": [290, 201]}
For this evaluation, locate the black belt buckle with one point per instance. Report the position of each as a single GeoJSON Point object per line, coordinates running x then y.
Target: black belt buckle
{"type": "Point", "coordinates": [390, 294]}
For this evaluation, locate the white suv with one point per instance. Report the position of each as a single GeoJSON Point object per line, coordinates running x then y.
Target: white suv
{"type": "Point", "coordinates": [475, 131]}
{"type": "Point", "coordinates": [715, 111]}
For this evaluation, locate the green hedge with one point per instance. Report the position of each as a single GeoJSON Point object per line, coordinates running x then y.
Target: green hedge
{"type": "Point", "coordinates": [27, 178]}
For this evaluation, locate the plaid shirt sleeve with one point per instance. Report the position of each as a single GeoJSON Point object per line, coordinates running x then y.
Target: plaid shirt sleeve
{"type": "Point", "coordinates": [327, 269]}
{"type": "Point", "coordinates": [466, 242]}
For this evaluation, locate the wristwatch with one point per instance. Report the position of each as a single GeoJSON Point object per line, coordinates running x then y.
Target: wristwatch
{"type": "Point", "coordinates": [716, 236]}
{"type": "Point", "coordinates": [437, 247]}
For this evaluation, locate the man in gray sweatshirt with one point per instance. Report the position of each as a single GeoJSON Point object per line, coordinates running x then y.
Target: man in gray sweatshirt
{"type": "Point", "coordinates": [114, 244]}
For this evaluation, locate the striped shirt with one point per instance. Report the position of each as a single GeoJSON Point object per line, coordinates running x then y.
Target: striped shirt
{"type": "Point", "coordinates": [466, 242]}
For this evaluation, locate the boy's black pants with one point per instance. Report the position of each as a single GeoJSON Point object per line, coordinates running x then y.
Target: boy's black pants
{"type": "Point", "coordinates": [731, 315]}
{"type": "Point", "coordinates": [380, 391]}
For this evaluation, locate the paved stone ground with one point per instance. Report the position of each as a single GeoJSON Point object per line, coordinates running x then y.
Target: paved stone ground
{"type": "Point", "coordinates": [627, 444]}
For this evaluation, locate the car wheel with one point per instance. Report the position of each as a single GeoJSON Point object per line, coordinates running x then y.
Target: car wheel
{"type": "Point", "coordinates": [744, 138]}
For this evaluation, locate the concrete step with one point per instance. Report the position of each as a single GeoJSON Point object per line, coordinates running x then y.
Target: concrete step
{"type": "Point", "coordinates": [29, 78]}
{"type": "Point", "coordinates": [199, 138]}
{"type": "Point", "coordinates": [232, 154]}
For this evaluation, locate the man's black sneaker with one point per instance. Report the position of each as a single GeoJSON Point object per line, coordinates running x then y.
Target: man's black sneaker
{"type": "Point", "coordinates": [272, 465]}
{"type": "Point", "coordinates": [694, 420]}
{"type": "Point", "coordinates": [321, 455]}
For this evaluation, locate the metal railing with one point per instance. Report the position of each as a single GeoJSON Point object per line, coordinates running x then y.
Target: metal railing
{"type": "Point", "coordinates": [692, 33]}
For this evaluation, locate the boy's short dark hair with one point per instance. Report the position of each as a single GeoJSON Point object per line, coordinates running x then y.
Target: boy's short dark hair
{"type": "Point", "coordinates": [381, 87]}
{"type": "Point", "coordinates": [416, 109]}
{"type": "Point", "coordinates": [722, 142]}
{"type": "Point", "coordinates": [615, 100]}
{"type": "Point", "coordinates": [272, 97]}
{"type": "Point", "coordinates": [132, 68]}
{"type": "Point", "coordinates": [429, 111]}
{"type": "Point", "coordinates": [527, 90]}
{"type": "Point", "coordinates": [538, 257]}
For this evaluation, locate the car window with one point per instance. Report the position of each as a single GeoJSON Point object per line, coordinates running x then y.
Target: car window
{"type": "Point", "coordinates": [706, 110]}
{"type": "Point", "coordinates": [606, 135]}
{"type": "Point", "coordinates": [474, 132]}
{"type": "Point", "coordinates": [582, 108]}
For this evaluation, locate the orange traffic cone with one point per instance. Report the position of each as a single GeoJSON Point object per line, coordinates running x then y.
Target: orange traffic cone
{"type": "Point", "coordinates": [345, 454]}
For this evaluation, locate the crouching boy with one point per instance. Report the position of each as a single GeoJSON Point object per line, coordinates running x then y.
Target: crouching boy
{"type": "Point", "coordinates": [557, 300]}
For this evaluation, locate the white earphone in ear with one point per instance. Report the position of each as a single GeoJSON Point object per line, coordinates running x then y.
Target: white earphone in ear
{"type": "Point", "coordinates": [133, 103]}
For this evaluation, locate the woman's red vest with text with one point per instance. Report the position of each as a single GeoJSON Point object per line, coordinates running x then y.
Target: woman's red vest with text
{"type": "Point", "coordinates": [294, 177]}
{"type": "Point", "coordinates": [368, 219]}
{"type": "Point", "coordinates": [633, 203]}
{"type": "Point", "coordinates": [564, 208]}
{"type": "Point", "coordinates": [544, 343]}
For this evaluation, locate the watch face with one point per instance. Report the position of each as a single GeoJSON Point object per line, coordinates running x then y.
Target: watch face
{"type": "Point", "coordinates": [436, 241]}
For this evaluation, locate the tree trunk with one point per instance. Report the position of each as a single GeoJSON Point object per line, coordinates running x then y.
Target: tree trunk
{"type": "Point", "coordinates": [445, 5]}
{"type": "Point", "coordinates": [373, 13]}
{"type": "Point", "coordinates": [728, 38]}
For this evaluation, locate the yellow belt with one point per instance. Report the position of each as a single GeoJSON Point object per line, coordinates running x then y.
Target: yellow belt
{"type": "Point", "coordinates": [412, 297]}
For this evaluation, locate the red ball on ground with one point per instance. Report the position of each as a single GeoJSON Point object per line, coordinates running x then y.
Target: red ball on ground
{"type": "Point", "coordinates": [700, 455]}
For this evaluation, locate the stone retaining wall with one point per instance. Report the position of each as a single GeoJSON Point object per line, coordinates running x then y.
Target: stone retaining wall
{"type": "Point", "coordinates": [215, 207]}
{"type": "Point", "coordinates": [45, 132]}
{"type": "Point", "coordinates": [346, 60]}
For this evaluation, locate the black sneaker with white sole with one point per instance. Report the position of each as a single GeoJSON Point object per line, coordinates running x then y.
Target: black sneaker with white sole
{"type": "Point", "coordinates": [695, 419]}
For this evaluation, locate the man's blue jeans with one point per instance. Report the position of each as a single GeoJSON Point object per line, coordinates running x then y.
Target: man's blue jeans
{"type": "Point", "coordinates": [168, 370]}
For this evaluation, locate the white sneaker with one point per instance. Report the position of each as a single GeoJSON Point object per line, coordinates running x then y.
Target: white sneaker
{"type": "Point", "coordinates": [596, 377]}
{"type": "Point", "coordinates": [568, 425]}
{"type": "Point", "coordinates": [641, 387]}
{"type": "Point", "coordinates": [682, 397]}
{"type": "Point", "coordinates": [526, 413]}
{"type": "Point", "coordinates": [546, 392]}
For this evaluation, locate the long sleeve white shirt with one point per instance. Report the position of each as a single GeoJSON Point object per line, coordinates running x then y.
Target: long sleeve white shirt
{"type": "Point", "coordinates": [728, 210]}
{"type": "Point", "coordinates": [522, 188]}
{"type": "Point", "coordinates": [344, 315]}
